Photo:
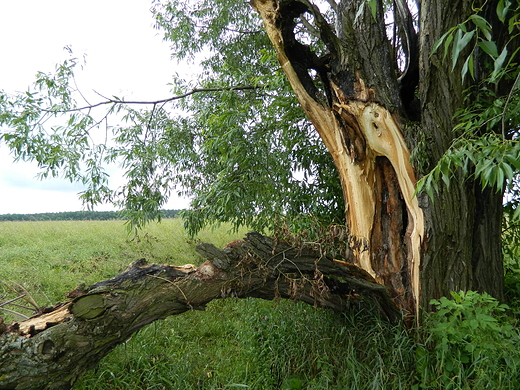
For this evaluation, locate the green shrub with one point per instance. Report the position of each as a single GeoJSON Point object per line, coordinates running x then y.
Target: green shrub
{"type": "Point", "coordinates": [471, 345]}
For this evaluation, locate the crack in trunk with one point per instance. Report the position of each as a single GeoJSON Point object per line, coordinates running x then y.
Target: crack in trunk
{"type": "Point", "coordinates": [357, 130]}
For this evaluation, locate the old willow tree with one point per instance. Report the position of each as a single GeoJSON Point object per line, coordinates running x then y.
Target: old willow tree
{"type": "Point", "coordinates": [305, 114]}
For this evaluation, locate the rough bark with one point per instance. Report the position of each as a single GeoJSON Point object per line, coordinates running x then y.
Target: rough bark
{"type": "Point", "coordinates": [463, 227]}
{"type": "Point", "coordinates": [370, 114]}
{"type": "Point", "coordinates": [52, 350]}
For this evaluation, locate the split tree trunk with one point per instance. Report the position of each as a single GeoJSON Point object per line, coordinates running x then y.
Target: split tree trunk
{"type": "Point", "coordinates": [53, 350]}
{"type": "Point", "coordinates": [367, 113]}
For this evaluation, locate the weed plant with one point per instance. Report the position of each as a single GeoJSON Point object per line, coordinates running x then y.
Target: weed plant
{"type": "Point", "coordinates": [470, 344]}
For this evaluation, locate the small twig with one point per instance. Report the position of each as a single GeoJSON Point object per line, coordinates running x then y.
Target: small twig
{"type": "Point", "coordinates": [12, 300]}
{"type": "Point", "coordinates": [155, 102]}
{"type": "Point", "coordinates": [15, 312]}
{"type": "Point", "coordinates": [24, 307]}
{"type": "Point", "coordinates": [182, 292]}
{"type": "Point", "coordinates": [26, 296]}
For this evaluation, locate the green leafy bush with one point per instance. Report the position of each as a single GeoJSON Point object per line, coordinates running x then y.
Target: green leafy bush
{"type": "Point", "coordinates": [470, 345]}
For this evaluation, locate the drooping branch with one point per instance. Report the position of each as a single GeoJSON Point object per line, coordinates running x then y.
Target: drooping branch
{"type": "Point", "coordinates": [52, 350]}
{"type": "Point", "coordinates": [110, 101]}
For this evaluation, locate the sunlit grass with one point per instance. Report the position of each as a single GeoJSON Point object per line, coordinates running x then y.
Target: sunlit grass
{"type": "Point", "coordinates": [49, 258]}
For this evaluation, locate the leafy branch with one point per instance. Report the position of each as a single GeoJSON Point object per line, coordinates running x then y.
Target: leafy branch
{"type": "Point", "coordinates": [116, 100]}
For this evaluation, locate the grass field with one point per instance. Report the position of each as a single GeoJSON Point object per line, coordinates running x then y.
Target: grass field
{"type": "Point", "coordinates": [242, 344]}
{"type": "Point", "coordinates": [50, 258]}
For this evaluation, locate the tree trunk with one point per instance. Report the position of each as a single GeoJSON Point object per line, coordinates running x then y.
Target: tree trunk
{"type": "Point", "coordinates": [464, 222]}
{"type": "Point", "coordinates": [52, 350]}
{"type": "Point", "coordinates": [366, 110]}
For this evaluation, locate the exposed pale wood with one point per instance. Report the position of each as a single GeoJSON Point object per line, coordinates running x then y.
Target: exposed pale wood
{"type": "Point", "coordinates": [371, 131]}
{"type": "Point", "coordinates": [42, 322]}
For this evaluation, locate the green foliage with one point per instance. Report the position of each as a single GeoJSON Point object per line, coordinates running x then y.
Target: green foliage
{"type": "Point", "coordinates": [251, 143]}
{"type": "Point", "coordinates": [235, 140]}
{"type": "Point", "coordinates": [486, 112]}
{"type": "Point", "coordinates": [471, 345]}
{"type": "Point", "coordinates": [489, 158]}
{"type": "Point", "coordinates": [477, 30]}
{"type": "Point", "coordinates": [486, 148]}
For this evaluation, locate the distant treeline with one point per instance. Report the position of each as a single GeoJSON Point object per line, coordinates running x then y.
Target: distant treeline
{"type": "Point", "coordinates": [77, 216]}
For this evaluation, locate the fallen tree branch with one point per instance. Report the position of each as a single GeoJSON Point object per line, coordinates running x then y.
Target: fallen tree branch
{"type": "Point", "coordinates": [52, 350]}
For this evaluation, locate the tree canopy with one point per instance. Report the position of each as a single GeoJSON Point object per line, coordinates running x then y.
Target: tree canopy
{"type": "Point", "coordinates": [238, 143]}
{"type": "Point", "coordinates": [235, 139]}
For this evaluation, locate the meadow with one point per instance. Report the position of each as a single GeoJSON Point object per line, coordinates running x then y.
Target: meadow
{"type": "Point", "coordinates": [249, 343]}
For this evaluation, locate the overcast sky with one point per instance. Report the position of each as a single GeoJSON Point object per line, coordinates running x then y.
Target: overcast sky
{"type": "Point", "coordinates": [125, 57]}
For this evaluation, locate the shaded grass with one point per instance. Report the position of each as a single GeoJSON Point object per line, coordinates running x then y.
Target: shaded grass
{"type": "Point", "coordinates": [258, 344]}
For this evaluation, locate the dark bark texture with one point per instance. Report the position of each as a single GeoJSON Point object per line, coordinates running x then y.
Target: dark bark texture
{"type": "Point", "coordinates": [52, 350]}
{"type": "Point", "coordinates": [463, 229]}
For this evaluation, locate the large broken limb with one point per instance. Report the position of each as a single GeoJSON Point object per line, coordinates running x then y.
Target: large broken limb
{"type": "Point", "coordinates": [52, 350]}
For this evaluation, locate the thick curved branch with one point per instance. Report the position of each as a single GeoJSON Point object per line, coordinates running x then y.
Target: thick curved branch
{"type": "Point", "coordinates": [52, 350]}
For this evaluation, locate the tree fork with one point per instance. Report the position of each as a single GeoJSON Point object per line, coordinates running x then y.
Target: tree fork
{"type": "Point", "coordinates": [358, 131]}
{"type": "Point", "coordinates": [53, 350]}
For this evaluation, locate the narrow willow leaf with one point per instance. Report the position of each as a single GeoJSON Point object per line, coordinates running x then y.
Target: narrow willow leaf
{"type": "Point", "coordinates": [471, 66]}
{"type": "Point", "coordinates": [489, 47]}
{"type": "Point", "coordinates": [499, 178]}
{"type": "Point", "coordinates": [439, 42]}
{"type": "Point", "coordinates": [373, 8]}
{"type": "Point", "coordinates": [498, 63]}
{"type": "Point", "coordinates": [359, 12]}
{"type": "Point", "coordinates": [465, 67]}
{"type": "Point", "coordinates": [513, 161]}
{"type": "Point", "coordinates": [482, 25]}
{"type": "Point", "coordinates": [502, 9]}
{"type": "Point", "coordinates": [447, 45]}
{"type": "Point", "coordinates": [508, 171]}
{"type": "Point", "coordinates": [461, 41]}
{"type": "Point", "coordinates": [455, 52]}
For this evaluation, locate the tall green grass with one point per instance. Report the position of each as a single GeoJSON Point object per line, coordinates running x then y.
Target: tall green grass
{"type": "Point", "coordinates": [254, 344]}
{"type": "Point", "coordinates": [248, 343]}
{"type": "Point", "coordinates": [49, 258]}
